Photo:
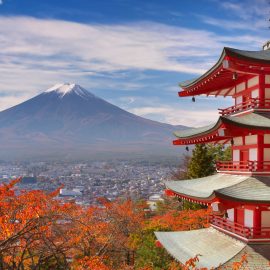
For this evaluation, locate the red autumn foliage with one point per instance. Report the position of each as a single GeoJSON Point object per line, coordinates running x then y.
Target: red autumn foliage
{"type": "Point", "coordinates": [38, 231]}
{"type": "Point", "coordinates": [181, 220]}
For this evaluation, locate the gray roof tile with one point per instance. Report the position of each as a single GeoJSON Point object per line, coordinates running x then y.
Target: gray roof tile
{"type": "Point", "coordinates": [216, 249]}
{"type": "Point", "coordinates": [256, 120]}
{"type": "Point", "coordinates": [238, 187]}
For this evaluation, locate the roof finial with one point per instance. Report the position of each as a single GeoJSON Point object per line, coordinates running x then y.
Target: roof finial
{"type": "Point", "coordinates": [266, 45]}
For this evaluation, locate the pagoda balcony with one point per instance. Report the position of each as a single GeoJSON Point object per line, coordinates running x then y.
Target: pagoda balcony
{"type": "Point", "coordinates": [243, 166]}
{"type": "Point", "coordinates": [252, 103]}
{"type": "Point", "coordinates": [249, 233]}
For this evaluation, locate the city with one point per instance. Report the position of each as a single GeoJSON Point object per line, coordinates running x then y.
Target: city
{"type": "Point", "coordinates": [86, 182]}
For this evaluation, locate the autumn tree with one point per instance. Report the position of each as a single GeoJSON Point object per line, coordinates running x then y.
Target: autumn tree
{"type": "Point", "coordinates": [31, 235]}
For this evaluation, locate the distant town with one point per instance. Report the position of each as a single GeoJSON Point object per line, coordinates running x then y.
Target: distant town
{"type": "Point", "coordinates": [85, 183]}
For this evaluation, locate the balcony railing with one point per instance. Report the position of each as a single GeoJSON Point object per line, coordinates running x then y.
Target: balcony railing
{"type": "Point", "coordinates": [241, 230]}
{"type": "Point", "coordinates": [252, 103]}
{"type": "Point", "coordinates": [243, 166]}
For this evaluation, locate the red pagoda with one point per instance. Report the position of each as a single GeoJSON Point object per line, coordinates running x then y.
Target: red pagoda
{"type": "Point", "coordinates": [239, 193]}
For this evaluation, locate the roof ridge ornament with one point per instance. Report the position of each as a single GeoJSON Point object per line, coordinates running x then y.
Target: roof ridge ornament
{"type": "Point", "coordinates": [266, 45]}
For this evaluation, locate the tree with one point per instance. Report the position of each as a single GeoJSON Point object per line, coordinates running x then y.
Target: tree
{"type": "Point", "coordinates": [201, 163]}
{"type": "Point", "coordinates": [181, 172]}
{"type": "Point", "coordinates": [173, 220]}
{"type": "Point", "coordinates": [219, 152]}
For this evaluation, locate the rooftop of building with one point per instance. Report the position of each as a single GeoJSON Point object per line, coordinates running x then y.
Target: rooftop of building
{"type": "Point", "coordinates": [233, 187]}
{"type": "Point", "coordinates": [255, 121]}
{"type": "Point", "coordinates": [214, 248]}
{"type": "Point", "coordinates": [219, 79]}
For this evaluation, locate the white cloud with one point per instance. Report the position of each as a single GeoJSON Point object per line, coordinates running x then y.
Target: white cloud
{"type": "Point", "coordinates": [37, 53]}
{"type": "Point", "coordinates": [11, 100]}
{"type": "Point", "coordinates": [101, 47]}
{"type": "Point", "coordinates": [176, 116]}
{"type": "Point", "coordinates": [248, 8]}
{"type": "Point", "coordinates": [257, 25]}
{"type": "Point", "coordinates": [38, 44]}
{"type": "Point", "coordinates": [247, 15]}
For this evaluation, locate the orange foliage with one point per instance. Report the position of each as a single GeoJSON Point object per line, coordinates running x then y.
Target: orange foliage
{"type": "Point", "coordinates": [181, 220]}
{"type": "Point", "coordinates": [38, 231]}
{"type": "Point", "coordinates": [93, 263]}
{"type": "Point", "coordinates": [241, 264]}
{"type": "Point", "coordinates": [191, 263]}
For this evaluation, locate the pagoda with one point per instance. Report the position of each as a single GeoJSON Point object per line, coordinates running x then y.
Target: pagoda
{"type": "Point", "coordinates": [239, 193]}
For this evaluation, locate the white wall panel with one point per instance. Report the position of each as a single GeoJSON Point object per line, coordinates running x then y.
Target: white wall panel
{"type": "Point", "coordinates": [266, 154]}
{"type": "Point", "coordinates": [253, 81]}
{"type": "Point", "coordinates": [248, 218]}
{"type": "Point", "coordinates": [255, 93]}
{"type": "Point", "coordinates": [253, 154]}
{"type": "Point", "coordinates": [266, 138]}
{"type": "Point", "coordinates": [251, 139]}
{"type": "Point", "coordinates": [240, 87]}
{"type": "Point", "coordinates": [230, 213]}
{"type": "Point", "coordinates": [215, 206]}
{"type": "Point", "coordinates": [267, 79]}
{"type": "Point", "coordinates": [267, 92]}
{"type": "Point", "coordinates": [238, 141]}
{"type": "Point", "coordinates": [265, 218]}
{"type": "Point", "coordinates": [239, 100]}
{"type": "Point", "coordinates": [236, 155]}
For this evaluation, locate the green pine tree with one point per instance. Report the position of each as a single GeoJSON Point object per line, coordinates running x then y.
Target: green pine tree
{"type": "Point", "coordinates": [219, 153]}
{"type": "Point", "coordinates": [201, 163]}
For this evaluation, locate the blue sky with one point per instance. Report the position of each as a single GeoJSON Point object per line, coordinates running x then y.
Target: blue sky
{"type": "Point", "coordinates": [132, 53]}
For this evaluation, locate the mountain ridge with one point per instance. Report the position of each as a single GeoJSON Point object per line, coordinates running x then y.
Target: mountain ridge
{"type": "Point", "coordinates": [70, 115]}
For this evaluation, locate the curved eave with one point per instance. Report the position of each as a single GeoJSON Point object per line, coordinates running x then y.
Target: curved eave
{"type": "Point", "coordinates": [254, 121]}
{"type": "Point", "coordinates": [195, 199]}
{"type": "Point", "coordinates": [239, 188]}
{"type": "Point", "coordinates": [196, 86]}
{"type": "Point", "coordinates": [203, 189]}
{"type": "Point", "coordinates": [252, 189]}
{"type": "Point", "coordinates": [189, 83]}
{"type": "Point", "coordinates": [242, 200]}
{"type": "Point", "coordinates": [195, 132]}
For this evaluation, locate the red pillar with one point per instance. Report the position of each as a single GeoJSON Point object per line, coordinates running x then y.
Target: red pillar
{"type": "Point", "coordinates": [257, 218]}
{"type": "Point", "coordinates": [261, 136]}
{"type": "Point", "coordinates": [257, 222]}
{"type": "Point", "coordinates": [260, 151]}
{"type": "Point", "coordinates": [262, 89]}
{"type": "Point", "coordinates": [235, 214]}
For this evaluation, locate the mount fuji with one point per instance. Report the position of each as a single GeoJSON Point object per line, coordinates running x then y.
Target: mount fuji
{"type": "Point", "coordinates": [68, 121]}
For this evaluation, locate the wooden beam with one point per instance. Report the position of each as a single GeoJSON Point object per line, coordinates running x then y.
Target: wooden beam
{"type": "Point", "coordinates": [234, 67]}
{"type": "Point", "coordinates": [230, 89]}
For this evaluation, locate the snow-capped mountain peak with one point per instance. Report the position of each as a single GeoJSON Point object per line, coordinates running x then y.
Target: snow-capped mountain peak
{"type": "Point", "coordinates": [67, 88]}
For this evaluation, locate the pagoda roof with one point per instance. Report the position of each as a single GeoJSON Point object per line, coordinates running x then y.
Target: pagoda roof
{"type": "Point", "coordinates": [221, 75]}
{"type": "Point", "coordinates": [256, 188]}
{"type": "Point", "coordinates": [215, 248]}
{"type": "Point", "coordinates": [235, 187]}
{"type": "Point", "coordinates": [253, 120]}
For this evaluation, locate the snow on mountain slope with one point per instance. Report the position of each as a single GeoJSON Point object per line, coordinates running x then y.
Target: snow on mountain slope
{"type": "Point", "coordinates": [66, 88]}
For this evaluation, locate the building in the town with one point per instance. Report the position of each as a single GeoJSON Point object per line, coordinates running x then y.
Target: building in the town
{"type": "Point", "coordinates": [239, 192]}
